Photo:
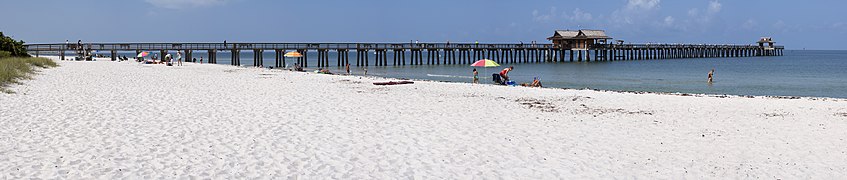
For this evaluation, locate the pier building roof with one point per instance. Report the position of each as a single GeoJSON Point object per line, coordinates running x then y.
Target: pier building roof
{"type": "Point", "coordinates": [765, 40]}
{"type": "Point", "coordinates": [579, 34]}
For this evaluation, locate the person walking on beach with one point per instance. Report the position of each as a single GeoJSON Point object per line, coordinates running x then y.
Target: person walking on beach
{"type": "Point", "coordinates": [505, 73]}
{"type": "Point", "coordinates": [179, 58]}
{"type": "Point", "coordinates": [201, 59]}
{"type": "Point", "coordinates": [711, 73]}
{"type": "Point", "coordinates": [475, 76]}
{"type": "Point", "coordinates": [347, 67]}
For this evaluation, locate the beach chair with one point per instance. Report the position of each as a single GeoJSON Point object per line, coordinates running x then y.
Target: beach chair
{"type": "Point", "coordinates": [497, 79]}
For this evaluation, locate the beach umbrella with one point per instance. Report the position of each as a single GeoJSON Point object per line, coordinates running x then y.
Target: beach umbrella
{"type": "Point", "coordinates": [485, 63]}
{"type": "Point", "coordinates": [293, 54]}
{"type": "Point", "coordinates": [143, 54]}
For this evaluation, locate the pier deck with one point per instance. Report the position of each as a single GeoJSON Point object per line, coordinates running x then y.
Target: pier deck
{"type": "Point", "coordinates": [436, 53]}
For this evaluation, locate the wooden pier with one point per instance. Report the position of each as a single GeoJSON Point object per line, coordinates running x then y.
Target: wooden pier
{"type": "Point", "coordinates": [436, 53]}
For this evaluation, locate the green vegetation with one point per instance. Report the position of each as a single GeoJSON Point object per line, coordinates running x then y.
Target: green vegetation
{"type": "Point", "coordinates": [16, 48]}
{"type": "Point", "coordinates": [5, 54]}
{"type": "Point", "coordinates": [16, 64]}
{"type": "Point", "coordinates": [14, 69]}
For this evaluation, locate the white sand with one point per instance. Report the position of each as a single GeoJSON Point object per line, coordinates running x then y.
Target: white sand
{"type": "Point", "coordinates": [120, 119]}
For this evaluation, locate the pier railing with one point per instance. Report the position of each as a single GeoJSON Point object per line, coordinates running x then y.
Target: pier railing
{"type": "Point", "coordinates": [425, 53]}
{"type": "Point", "coordinates": [271, 46]}
{"type": "Point", "coordinates": [647, 46]}
{"type": "Point", "coordinates": [314, 46]}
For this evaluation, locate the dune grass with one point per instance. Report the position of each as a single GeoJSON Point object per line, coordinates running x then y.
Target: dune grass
{"type": "Point", "coordinates": [14, 69]}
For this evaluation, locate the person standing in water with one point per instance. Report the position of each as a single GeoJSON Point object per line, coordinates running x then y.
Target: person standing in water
{"type": "Point", "coordinates": [475, 76]}
{"type": "Point", "coordinates": [348, 68]}
{"type": "Point", "coordinates": [711, 73]}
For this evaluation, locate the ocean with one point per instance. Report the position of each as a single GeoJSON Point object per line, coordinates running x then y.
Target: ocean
{"type": "Point", "coordinates": [805, 73]}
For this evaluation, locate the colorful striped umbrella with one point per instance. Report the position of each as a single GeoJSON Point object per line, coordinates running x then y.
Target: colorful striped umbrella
{"type": "Point", "coordinates": [485, 63]}
{"type": "Point", "coordinates": [143, 54]}
{"type": "Point", "coordinates": [293, 54]}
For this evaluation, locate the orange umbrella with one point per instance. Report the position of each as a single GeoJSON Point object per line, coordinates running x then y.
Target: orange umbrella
{"type": "Point", "coordinates": [293, 54]}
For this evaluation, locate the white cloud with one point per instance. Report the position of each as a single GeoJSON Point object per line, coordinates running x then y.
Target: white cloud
{"type": "Point", "coordinates": [642, 4]}
{"type": "Point", "coordinates": [579, 15]}
{"type": "Point", "coordinates": [693, 12]}
{"type": "Point", "coordinates": [538, 17]}
{"type": "Point", "coordinates": [180, 4]}
{"type": "Point", "coordinates": [635, 11]}
{"type": "Point", "coordinates": [669, 20]}
{"type": "Point", "coordinates": [704, 17]}
{"type": "Point", "coordinates": [714, 7]}
{"type": "Point", "coordinates": [750, 24]}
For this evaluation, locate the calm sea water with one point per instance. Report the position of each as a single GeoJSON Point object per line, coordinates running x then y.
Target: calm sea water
{"type": "Point", "coordinates": [798, 73]}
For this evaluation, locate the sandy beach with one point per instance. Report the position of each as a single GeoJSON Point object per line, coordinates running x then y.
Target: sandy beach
{"type": "Point", "coordinates": [110, 120]}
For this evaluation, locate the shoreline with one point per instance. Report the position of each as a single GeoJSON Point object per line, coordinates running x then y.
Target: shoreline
{"type": "Point", "coordinates": [104, 119]}
{"type": "Point", "coordinates": [814, 98]}
{"type": "Point", "coordinates": [309, 71]}
{"type": "Point", "coordinates": [635, 91]}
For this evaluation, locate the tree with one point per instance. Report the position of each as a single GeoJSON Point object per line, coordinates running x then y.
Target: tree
{"type": "Point", "coordinates": [16, 48]}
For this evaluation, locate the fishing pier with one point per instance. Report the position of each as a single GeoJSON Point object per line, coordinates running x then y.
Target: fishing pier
{"type": "Point", "coordinates": [567, 46]}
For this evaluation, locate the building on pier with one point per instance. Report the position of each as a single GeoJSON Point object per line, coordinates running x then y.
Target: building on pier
{"type": "Point", "coordinates": [578, 39]}
{"type": "Point", "coordinates": [766, 40]}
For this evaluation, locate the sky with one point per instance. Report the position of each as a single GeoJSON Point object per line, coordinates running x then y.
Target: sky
{"type": "Point", "coordinates": [790, 23]}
